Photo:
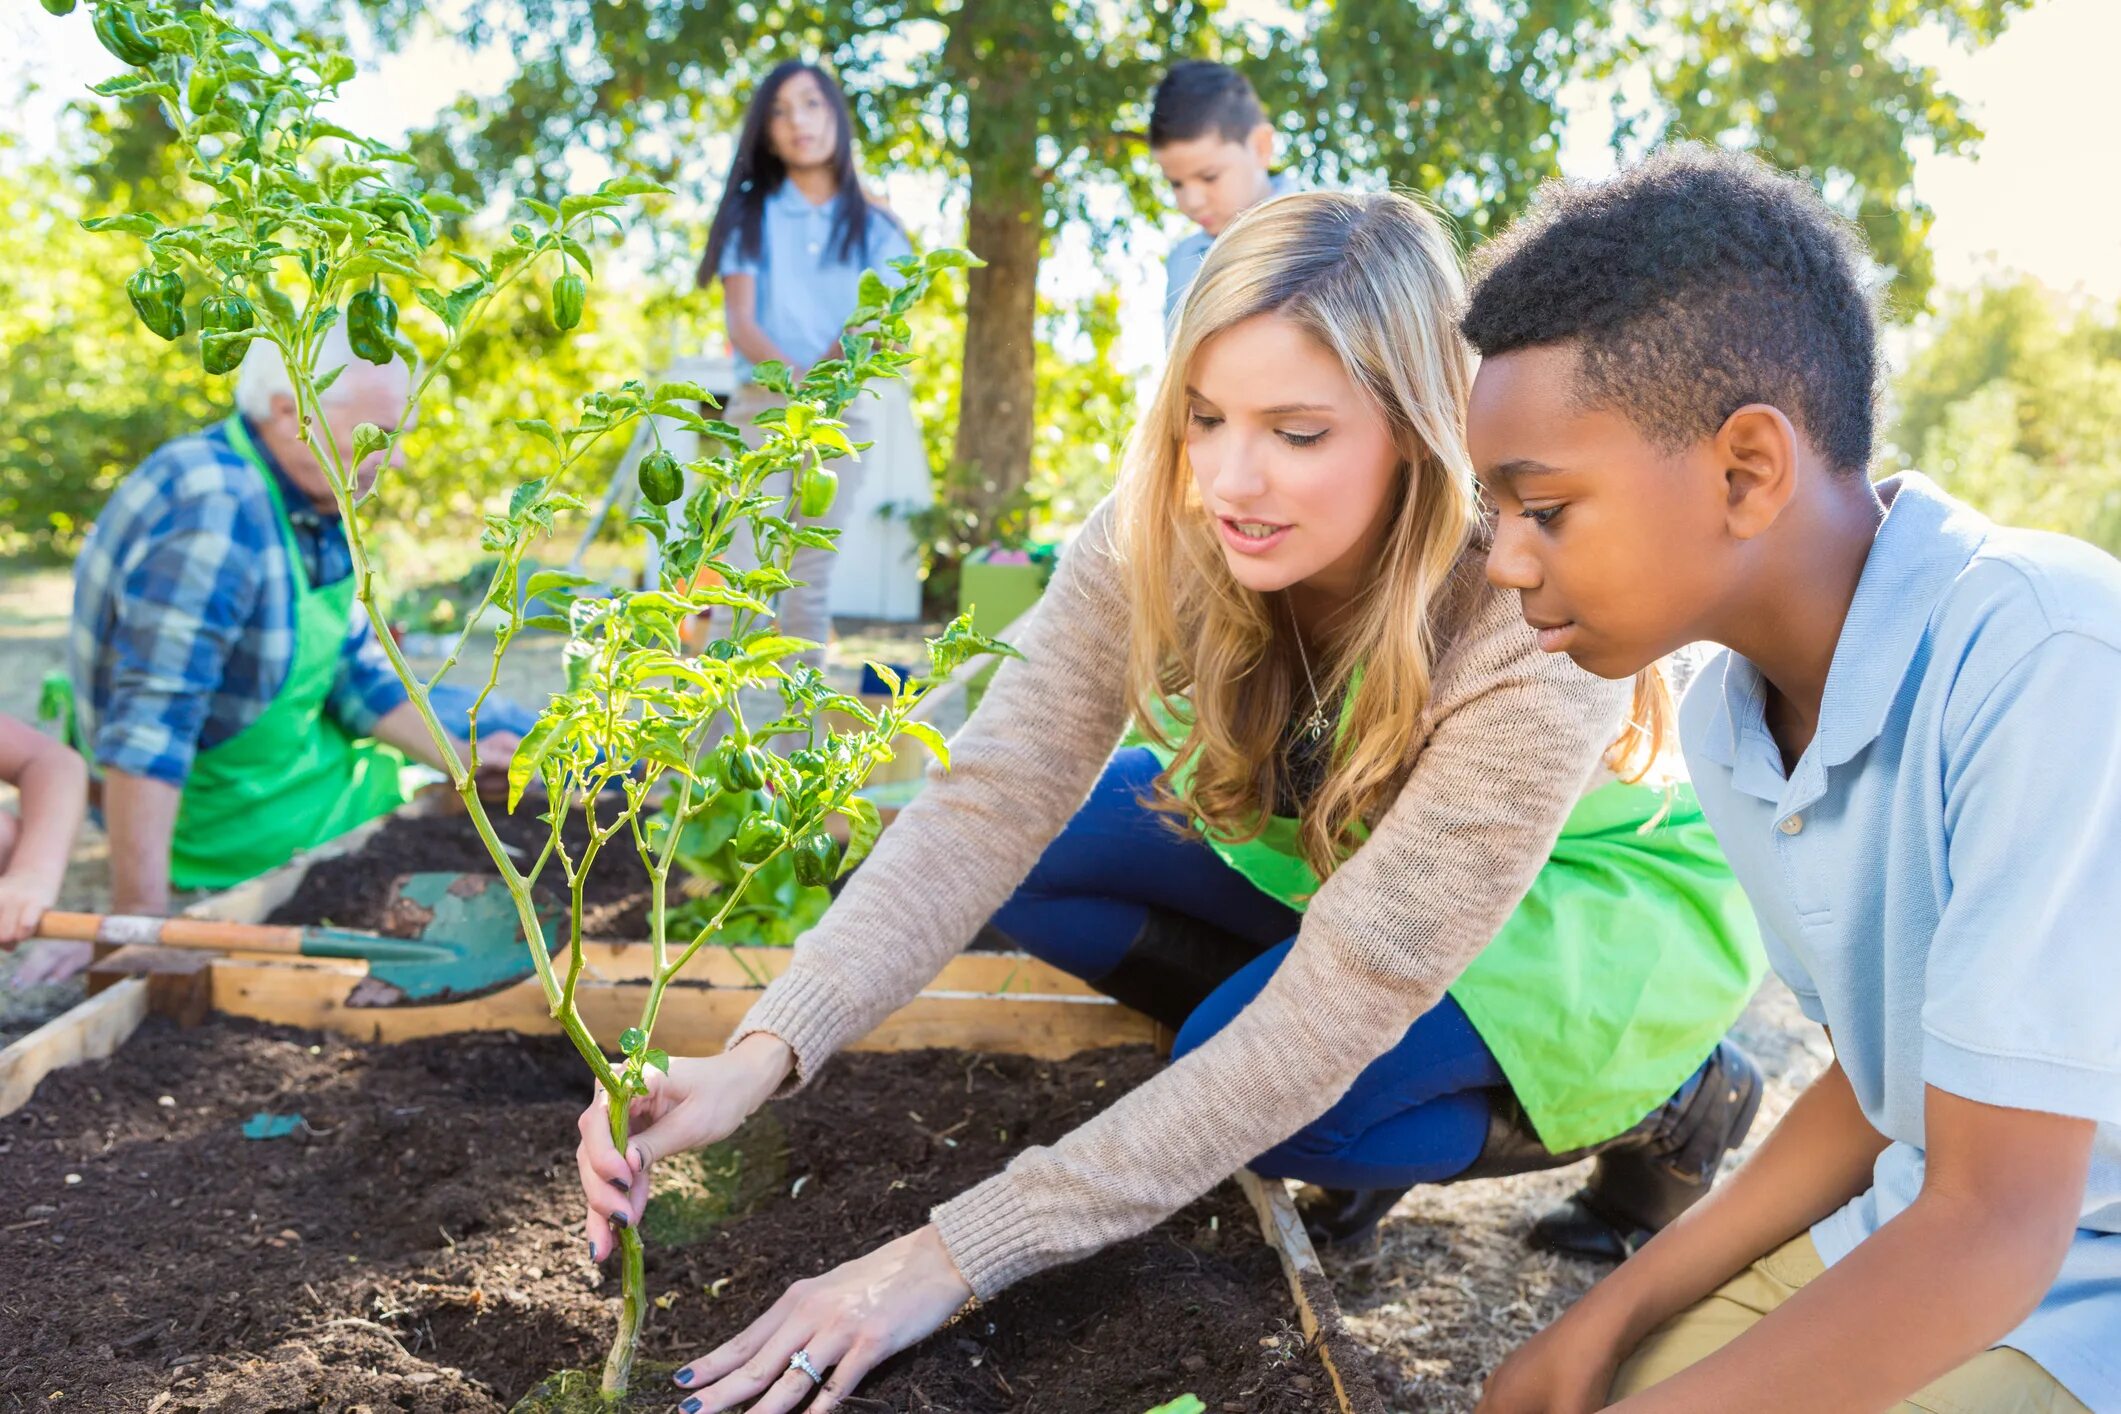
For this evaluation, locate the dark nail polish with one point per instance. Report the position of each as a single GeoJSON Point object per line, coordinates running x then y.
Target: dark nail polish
{"type": "Point", "coordinates": [620, 1220]}
{"type": "Point", "coordinates": [621, 1185]}
{"type": "Point", "coordinates": [691, 1406]}
{"type": "Point", "coordinates": [592, 1251]}
{"type": "Point", "coordinates": [683, 1376]}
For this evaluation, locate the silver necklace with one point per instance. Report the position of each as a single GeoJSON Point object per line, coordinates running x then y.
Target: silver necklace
{"type": "Point", "coordinates": [1315, 725]}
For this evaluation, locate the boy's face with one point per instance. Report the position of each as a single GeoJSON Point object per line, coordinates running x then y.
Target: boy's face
{"type": "Point", "coordinates": [1214, 179]}
{"type": "Point", "coordinates": [1619, 550]}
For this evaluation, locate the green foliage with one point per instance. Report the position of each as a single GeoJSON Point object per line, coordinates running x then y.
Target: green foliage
{"type": "Point", "coordinates": [88, 391]}
{"type": "Point", "coordinates": [2014, 402]}
{"type": "Point", "coordinates": [311, 223]}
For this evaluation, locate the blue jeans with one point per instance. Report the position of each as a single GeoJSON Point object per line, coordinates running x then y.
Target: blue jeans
{"type": "Point", "coordinates": [1416, 1114]}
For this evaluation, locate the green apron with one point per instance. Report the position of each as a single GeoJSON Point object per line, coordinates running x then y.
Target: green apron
{"type": "Point", "coordinates": [294, 777]}
{"type": "Point", "coordinates": [1623, 966]}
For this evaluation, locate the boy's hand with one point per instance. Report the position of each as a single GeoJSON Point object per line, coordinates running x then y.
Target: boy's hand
{"type": "Point", "coordinates": [22, 903]}
{"type": "Point", "coordinates": [1565, 1369]}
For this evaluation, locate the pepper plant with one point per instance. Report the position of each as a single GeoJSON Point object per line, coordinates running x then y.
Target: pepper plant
{"type": "Point", "coordinates": [310, 224]}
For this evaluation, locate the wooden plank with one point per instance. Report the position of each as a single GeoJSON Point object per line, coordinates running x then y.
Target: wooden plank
{"type": "Point", "coordinates": [1010, 973]}
{"type": "Point", "coordinates": [1317, 1311]}
{"type": "Point", "coordinates": [694, 1018]}
{"type": "Point", "coordinates": [179, 980]}
{"type": "Point", "coordinates": [90, 1031]}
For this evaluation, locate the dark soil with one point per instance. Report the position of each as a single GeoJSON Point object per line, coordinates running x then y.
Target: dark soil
{"type": "Point", "coordinates": [354, 890]}
{"type": "Point", "coordinates": [417, 1244]}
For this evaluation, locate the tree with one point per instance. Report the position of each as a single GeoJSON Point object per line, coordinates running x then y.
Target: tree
{"type": "Point", "coordinates": [1034, 103]}
{"type": "Point", "coordinates": [2014, 402]}
{"type": "Point", "coordinates": [1036, 108]}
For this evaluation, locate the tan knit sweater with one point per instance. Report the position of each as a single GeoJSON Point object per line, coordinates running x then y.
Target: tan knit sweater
{"type": "Point", "coordinates": [1512, 734]}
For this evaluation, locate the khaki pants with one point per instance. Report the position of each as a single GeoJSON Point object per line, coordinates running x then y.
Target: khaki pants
{"type": "Point", "coordinates": [806, 610]}
{"type": "Point", "coordinates": [1998, 1381]}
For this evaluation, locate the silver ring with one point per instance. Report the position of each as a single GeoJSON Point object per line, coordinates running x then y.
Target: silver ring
{"type": "Point", "coordinates": [801, 1361]}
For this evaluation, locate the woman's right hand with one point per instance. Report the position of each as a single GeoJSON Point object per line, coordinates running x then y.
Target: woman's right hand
{"type": "Point", "coordinates": [699, 1100]}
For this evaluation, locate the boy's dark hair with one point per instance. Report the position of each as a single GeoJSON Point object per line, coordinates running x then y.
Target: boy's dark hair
{"type": "Point", "coordinates": [1198, 97]}
{"type": "Point", "coordinates": [1693, 284]}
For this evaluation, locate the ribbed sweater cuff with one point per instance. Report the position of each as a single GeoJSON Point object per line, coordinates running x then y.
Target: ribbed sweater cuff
{"type": "Point", "coordinates": [808, 1013]}
{"type": "Point", "coordinates": [990, 1235]}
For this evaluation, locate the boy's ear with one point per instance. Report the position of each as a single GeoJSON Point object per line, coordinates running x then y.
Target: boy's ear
{"type": "Point", "coordinates": [1757, 447]}
{"type": "Point", "coordinates": [1261, 143]}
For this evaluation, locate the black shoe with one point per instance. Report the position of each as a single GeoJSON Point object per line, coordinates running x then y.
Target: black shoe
{"type": "Point", "coordinates": [1650, 1175]}
{"type": "Point", "coordinates": [1345, 1217]}
{"type": "Point", "coordinates": [1172, 966]}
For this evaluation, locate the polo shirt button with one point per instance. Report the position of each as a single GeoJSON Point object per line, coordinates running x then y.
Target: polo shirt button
{"type": "Point", "coordinates": [1791, 824]}
{"type": "Point", "coordinates": [813, 247]}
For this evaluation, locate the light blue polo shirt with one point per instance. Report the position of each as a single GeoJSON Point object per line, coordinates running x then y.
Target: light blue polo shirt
{"type": "Point", "coordinates": [1939, 879]}
{"type": "Point", "coordinates": [1183, 263]}
{"type": "Point", "coordinates": [806, 289]}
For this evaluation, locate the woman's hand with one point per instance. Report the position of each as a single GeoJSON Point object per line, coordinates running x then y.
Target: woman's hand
{"type": "Point", "coordinates": [846, 1322]}
{"type": "Point", "coordinates": [1565, 1369]}
{"type": "Point", "coordinates": [699, 1100]}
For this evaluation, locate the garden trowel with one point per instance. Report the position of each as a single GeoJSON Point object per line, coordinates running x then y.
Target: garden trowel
{"type": "Point", "coordinates": [468, 939]}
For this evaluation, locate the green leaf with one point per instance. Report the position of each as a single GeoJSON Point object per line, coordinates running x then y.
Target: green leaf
{"type": "Point", "coordinates": [656, 1058]}
{"type": "Point", "coordinates": [1184, 1404]}
{"type": "Point", "coordinates": [777, 645]}
{"type": "Point", "coordinates": [545, 581]}
{"type": "Point", "coordinates": [525, 496]}
{"type": "Point", "coordinates": [325, 380]}
{"type": "Point", "coordinates": [531, 752]}
{"type": "Point", "coordinates": [632, 1039]}
{"type": "Point", "coordinates": [888, 674]}
{"type": "Point", "coordinates": [368, 438]}
{"type": "Point", "coordinates": [547, 213]}
{"type": "Point", "coordinates": [133, 223]}
{"type": "Point", "coordinates": [445, 203]}
{"type": "Point", "coordinates": [924, 733]}
{"type": "Point", "coordinates": [632, 186]}
{"type": "Point", "coordinates": [579, 253]}
{"type": "Point", "coordinates": [538, 427]}
{"type": "Point", "coordinates": [677, 392]}
{"type": "Point", "coordinates": [375, 262]}
{"type": "Point", "coordinates": [864, 824]}
{"type": "Point", "coordinates": [950, 258]}
{"type": "Point", "coordinates": [573, 206]}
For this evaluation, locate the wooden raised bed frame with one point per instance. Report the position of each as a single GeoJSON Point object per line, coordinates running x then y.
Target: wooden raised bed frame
{"type": "Point", "coordinates": [1003, 1002]}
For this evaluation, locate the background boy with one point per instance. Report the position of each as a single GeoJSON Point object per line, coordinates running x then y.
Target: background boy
{"type": "Point", "coordinates": [1212, 140]}
{"type": "Point", "coordinates": [1907, 754]}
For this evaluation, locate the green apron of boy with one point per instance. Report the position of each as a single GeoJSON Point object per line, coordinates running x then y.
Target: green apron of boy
{"type": "Point", "coordinates": [1623, 966]}
{"type": "Point", "coordinates": [294, 777]}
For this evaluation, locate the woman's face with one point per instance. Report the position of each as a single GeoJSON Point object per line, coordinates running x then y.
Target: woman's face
{"type": "Point", "coordinates": [1294, 462]}
{"type": "Point", "coordinates": [802, 129]}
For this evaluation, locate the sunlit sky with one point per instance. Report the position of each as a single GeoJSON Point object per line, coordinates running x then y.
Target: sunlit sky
{"type": "Point", "coordinates": [2037, 197]}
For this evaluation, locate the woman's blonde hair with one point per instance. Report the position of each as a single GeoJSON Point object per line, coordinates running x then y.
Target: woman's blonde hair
{"type": "Point", "coordinates": [1213, 668]}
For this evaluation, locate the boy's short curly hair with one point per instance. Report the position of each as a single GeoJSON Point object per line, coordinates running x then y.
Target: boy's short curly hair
{"type": "Point", "coordinates": [1692, 284]}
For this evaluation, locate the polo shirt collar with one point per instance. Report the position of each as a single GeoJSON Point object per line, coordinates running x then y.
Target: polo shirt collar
{"type": "Point", "coordinates": [1925, 542]}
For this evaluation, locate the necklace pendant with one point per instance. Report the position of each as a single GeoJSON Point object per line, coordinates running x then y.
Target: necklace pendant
{"type": "Point", "coordinates": [1315, 724]}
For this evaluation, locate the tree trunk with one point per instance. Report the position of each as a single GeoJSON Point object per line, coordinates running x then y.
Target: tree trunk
{"type": "Point", "coordinates": [1003, 227]}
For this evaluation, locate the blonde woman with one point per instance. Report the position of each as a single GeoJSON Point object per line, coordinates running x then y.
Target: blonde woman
{"type": "Point", "coordinates": [1334, 863]}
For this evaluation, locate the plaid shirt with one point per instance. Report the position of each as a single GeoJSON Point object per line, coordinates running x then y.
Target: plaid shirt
{"type": "Point", "coordinates": [184, 610]}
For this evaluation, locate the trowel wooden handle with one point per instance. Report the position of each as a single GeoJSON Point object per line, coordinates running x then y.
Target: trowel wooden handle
{"type": "Point", "coordinates": [211, 933]}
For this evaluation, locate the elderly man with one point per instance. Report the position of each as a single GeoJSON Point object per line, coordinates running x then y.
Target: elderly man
{"type": "Point", "coordinates": [227, 686]}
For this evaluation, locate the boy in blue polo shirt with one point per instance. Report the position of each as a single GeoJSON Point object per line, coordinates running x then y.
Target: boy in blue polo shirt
{"type": "Point", "coordinates": [1908, 754]}
{"type": "Point", "coordinates": [1215, 147]}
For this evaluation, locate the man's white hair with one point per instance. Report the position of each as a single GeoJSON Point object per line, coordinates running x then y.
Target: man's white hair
{"type": "Point", "coordinates": [263, 375]}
